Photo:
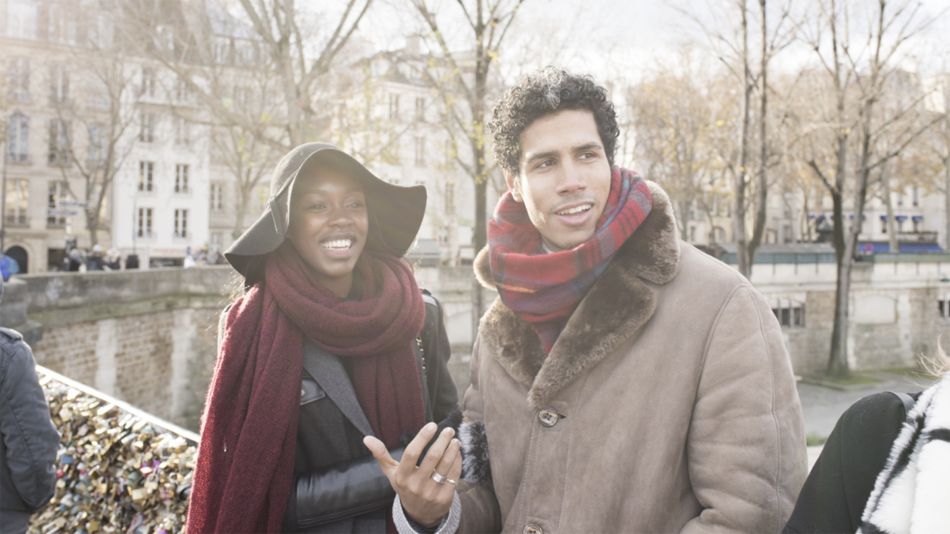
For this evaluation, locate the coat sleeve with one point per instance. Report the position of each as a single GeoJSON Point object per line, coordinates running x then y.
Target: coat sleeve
{"type": "Point", "coordinates": [746, 445]}
{"type": "Point", "coordinates": [840, 483]}
{"type": "Point", "coordinates": [480, 510]}
{"type": "Point", "coordinates": [28, 434]}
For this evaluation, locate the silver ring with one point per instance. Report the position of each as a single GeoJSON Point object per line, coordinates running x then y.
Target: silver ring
{"type": "Point", "coordinates": [439, 479]}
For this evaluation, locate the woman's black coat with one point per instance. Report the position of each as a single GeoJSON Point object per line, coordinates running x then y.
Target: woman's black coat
{"type": "Point", "coordinates": [338, 486]}
{"type": "Point", "coordinates": [839, 485]}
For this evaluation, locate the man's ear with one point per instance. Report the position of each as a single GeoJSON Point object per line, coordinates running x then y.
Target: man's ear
{"type": "Point", "coordinates": [513, 185]}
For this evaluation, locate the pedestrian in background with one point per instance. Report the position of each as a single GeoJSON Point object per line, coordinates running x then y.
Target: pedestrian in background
{"type": "Point", "coordinates": [95, 261]}
{"type": "Point", "coordinates": [28, 439]}
{"type": "Point", "coordinates": [332, 342]}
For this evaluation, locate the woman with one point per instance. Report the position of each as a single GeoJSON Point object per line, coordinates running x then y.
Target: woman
{"type": "Point", "coordinates": [331, 342]}
{"type": "Point", "coordinates": [885, 467]}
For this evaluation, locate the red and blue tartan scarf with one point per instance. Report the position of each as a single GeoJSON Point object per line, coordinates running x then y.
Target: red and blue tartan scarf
{"type": "Point", "coordinates": [545, 289]}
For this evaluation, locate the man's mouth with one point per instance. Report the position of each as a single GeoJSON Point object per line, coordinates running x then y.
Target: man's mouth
{"type": "Point", "coordinates": [337, 244]}
{"type": "Point", "coordinates": [576, 209]}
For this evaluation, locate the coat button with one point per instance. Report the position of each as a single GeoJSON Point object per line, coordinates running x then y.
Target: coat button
{"type": "Point", "coordinates": [533, 529]}
{"type": "Point", "coordinates": [548, 418]}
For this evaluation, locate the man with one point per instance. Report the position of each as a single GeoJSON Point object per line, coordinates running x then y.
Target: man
{"type": "Point", "coordinates": [28, 439]}
{"type": "Point", "coordinates": [623, 381]}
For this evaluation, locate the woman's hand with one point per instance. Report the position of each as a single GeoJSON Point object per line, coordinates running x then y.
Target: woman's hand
{"type": "Point", "coordinates": [424, 500]}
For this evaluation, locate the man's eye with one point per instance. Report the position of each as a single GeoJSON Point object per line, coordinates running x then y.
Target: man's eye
{"type": "Point", "coordinates": [588, 155]}
{"type": "Point", "coordinates": [545, 163]}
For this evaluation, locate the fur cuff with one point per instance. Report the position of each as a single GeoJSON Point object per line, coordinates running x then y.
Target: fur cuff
{"type": "Point", "coordinates": [475, 465]}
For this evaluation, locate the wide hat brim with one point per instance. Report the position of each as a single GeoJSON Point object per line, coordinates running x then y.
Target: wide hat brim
{"type": "Point", "coordinates": [398, 210]}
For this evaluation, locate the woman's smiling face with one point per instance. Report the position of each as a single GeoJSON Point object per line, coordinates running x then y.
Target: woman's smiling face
{"type": "Point", "coordinates": [329, 223]}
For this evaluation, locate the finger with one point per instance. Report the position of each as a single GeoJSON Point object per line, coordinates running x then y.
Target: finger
{"type": "Point", "coordinates": [411, 455]}
{"type": "Point", "coordinates": [436, 451]}
{"type": "Point", "coordinates": [379, 451]}
{"type": "Point", "coordinates": [448, 458]}
{"type": "Point", "coordinates": [455, 473]}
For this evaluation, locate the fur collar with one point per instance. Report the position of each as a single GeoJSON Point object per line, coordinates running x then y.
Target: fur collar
{"type": "Point", "coordinates": [618, 305]}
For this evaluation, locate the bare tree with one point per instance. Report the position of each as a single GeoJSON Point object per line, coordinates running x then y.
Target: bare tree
{"type": "Point", "coordinates": [98, 114]}
{"type": "Point", "coordinates": [672, 115]}
{"type": "Point", "coordinates": [857, 77]}
{"type": "Point", "coordinates": [731, 42]}
{"type": "Point", "coordinates": [464, 82]}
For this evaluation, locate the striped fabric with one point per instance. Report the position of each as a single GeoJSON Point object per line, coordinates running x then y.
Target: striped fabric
{"type": "Point", "coordinates": [544, 289]}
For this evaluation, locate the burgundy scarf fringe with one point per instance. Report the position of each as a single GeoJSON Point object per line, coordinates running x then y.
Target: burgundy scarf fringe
{"type": "Point", "coordinates": [249, 430]}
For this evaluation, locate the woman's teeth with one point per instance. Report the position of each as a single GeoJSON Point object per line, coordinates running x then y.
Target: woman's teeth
{"type": "Point", "coordinates": [338, 244]}
{"type": "Point", "coordinates": [578, 209]}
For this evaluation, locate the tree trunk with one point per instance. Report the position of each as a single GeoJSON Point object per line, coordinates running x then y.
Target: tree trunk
{"type": "Point", "coordinates": [684, 210]}
{"type": "Point", "coordinates": [738, 220]}
{"type": "Point", "coordinates": [838, 362]}
{"type": "Point", "coordinates": [889, 204]}
{"type": "Point", "coordinates": [761, 207]}
{"type": "Point", "coordinates": [946, 197]}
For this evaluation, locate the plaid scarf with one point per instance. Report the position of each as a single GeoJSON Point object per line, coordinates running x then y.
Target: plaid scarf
{"type": "Point", "coordinates": [545, 289]}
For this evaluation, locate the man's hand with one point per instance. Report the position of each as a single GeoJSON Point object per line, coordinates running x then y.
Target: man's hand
{"type": "Point", "coordinates": [424, 500]}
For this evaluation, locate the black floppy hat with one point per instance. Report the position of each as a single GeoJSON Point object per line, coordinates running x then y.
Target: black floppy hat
{"type": "Point", "coordinates": [398, 210]}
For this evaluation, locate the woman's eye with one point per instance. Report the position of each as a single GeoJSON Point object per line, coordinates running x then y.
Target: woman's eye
{"type": "Point", "coordinates": [356, 204]}
{"type": "Point", "coordinates": [317, 206]}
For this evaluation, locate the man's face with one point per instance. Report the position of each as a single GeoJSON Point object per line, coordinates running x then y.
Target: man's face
{"type": "Point", "coordinates": [564, 177]}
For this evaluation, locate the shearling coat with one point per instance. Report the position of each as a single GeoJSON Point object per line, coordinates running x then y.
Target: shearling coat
{"type": "Point", "coordinates": [667, 404]}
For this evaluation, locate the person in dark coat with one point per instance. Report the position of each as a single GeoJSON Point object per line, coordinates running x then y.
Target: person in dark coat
{"type": "Point", "coordinates": [28, 439]}
{"type": "Point", "coordinates": [132, 261]}
{"type": "Point", "coordinates": [884, 468]}
{"type": "Point", "coordinates": [73, 260]}
{"type": "Point", "coordinates": [95, 261]}
{"type": "Point", "coordinates": [332, 341]}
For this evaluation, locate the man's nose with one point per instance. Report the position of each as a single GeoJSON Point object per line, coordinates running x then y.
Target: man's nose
{"type": "Point", "coordinates": [572, 180]}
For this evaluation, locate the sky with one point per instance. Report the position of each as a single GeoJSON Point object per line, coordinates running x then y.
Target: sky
{"type": "Point", "coordinates": [617, 38]}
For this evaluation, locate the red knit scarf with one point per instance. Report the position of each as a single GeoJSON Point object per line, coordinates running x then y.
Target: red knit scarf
{"type": "Point", "coordinates": [544, 289]}
{"type": "Point", "coordinates": [245, 459]}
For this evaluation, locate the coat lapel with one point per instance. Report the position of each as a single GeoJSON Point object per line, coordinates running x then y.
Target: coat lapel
{"type": "Point", "coordinates": [615, 308]}
{"type": "Point", "coordinates": [327, 371]}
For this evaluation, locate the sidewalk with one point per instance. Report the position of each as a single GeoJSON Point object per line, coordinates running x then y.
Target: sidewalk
{"type": "Point", "coordinates": [822, 406]}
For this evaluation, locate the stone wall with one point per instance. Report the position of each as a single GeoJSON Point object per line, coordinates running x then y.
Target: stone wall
{"type": "Point", "coordinates": [145, 337]}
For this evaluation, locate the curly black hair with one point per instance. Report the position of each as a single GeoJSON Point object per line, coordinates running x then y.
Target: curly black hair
{"type": "Point", "coordinates": [544, 92]}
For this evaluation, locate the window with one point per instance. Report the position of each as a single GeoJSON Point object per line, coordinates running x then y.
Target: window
{"type": "Point", "coordinates": [58, 84]}
{"type": "Point", "coordinates": [221, 48]}
{"type": "Point", "coordinates": [883, 224]}
{"type": "Point", "coordinates": [916, 196]}
{"type": "Point", "coordinates": [18, 138]}
{"type": "Point", "coordinates": [182, 131]}
{"type": "Point", "coordinates": [17, 202]}
{"type": "Point", "coordinates": [97, 149]}
{"type": "Point", "coordinates": [449, 208]}
{"type": "Point", "coordinates": [217, 197]}
{"type": "Point", "coordinates": [420, 151]}
{"type": "Point", "coordinates": [21, 19]}
{"type": "Point", "coordinates": [146, 170]}
{"type": "Point", "coordinates": [181, 178]}
{"type": "Point", "coordinates": [62, 28]}
{"type": "Point", "coordinates": [182, 91]}
{"type": "Point", "coordinates": [58, 142]}
{"type": "Point", "coordinates": [692, 233]}
{"type": "Point", "coordinates": [394, 107]}
{"type": "Point", "coordinates": [181, 224]}
{"type": "Point", "coordinates": [900, 199]}
{"type": "Point", "coordinates": [57, 193]}
{"type": "Point", "coordinates": [789, 313]}
{"type": "Point", "coordinates": [148, 83]}
{"type": "Point", "coordinates": [242, 98]}
{"type": "Point", "coordinates": [101, 32]}
{"type": "Point", "coordinates": [147, 127]}
{"type": "Point", "coordinates": [98, 95]}
{"type": "Point", "coordinates": [420, 109]}
{"type": "Point", "coordinates": [18, 79]}
{"type": "Point", "coordinates": [144, 223]}
{"type": "Point", "coordinates": [215, 242]}
{"type": "Point", "coordinates": [916, 224]}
